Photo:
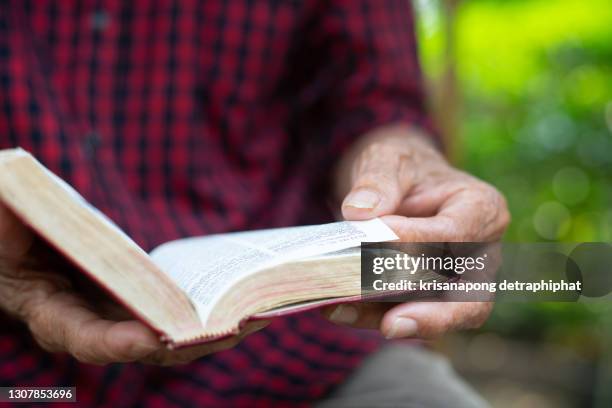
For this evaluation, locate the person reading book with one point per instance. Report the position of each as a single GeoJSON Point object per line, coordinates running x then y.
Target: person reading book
{"type": "Point", "coordinates": [209, 117]}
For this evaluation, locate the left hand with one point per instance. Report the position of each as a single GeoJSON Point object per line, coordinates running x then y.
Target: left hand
{"type": "Point", "coordinates": [395, 173]}
{"type": "Point", "coordinates": [78, 319]}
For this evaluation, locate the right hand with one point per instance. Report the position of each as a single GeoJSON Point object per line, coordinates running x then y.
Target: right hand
{"type": "Point", "coordinates": [61, 320]}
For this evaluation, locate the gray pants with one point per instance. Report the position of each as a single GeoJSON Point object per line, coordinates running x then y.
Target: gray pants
{"type": "Point", "coordinates": [402, 375]}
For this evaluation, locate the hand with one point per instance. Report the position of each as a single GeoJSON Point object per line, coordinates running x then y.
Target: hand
{"type": "Point", "coordinates": [396, 174]}
{"type": "Point", "coordinates": [62, 321]}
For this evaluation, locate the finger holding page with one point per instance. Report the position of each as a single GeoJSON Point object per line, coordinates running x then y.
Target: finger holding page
{"type": "Point", "coordinates": [432, 319]}
{"type": "Point", "coordinates": [15, 238]}
{"type": "Point", "coordinates": [65, 323]}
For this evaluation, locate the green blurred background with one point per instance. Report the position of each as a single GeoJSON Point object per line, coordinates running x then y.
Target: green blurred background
{"type": "Point", "coordinates": [522, 92]}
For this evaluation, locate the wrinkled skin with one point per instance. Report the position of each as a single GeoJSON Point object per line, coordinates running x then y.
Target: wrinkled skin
{"type": "Point", "coordinates": [395, 173]}
{"type": "Point", "coordinates": [38, 291]}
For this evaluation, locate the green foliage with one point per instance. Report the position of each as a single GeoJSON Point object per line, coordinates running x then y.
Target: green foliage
{"type": "Point", "coordinates": [536, 121]}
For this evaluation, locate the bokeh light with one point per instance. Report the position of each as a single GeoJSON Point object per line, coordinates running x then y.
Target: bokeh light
{"type": "Point", "coordinates": [571, 185]}
{"type": "Point", "coordinates": [551, 220]}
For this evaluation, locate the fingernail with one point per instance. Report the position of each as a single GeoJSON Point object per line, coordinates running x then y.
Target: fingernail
{"type": "Point", "coordinates": [366, 199]}
{"type": "Point", "coordinates": [402, 327]}
{"type": "Point", "coordinates": [344, 314]}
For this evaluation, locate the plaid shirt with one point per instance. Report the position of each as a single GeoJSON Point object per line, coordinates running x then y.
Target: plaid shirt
{"type": "Point", "coordinates": [181, 118]}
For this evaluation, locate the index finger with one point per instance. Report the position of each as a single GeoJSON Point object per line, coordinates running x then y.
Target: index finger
{"type": "Point", "coordinates": [469, 215]}
{"type": "Point", "coordinates": [63, 322]}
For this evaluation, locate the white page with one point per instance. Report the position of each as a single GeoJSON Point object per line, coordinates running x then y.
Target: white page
{"type": "Point", "coordinates": [205, 267]}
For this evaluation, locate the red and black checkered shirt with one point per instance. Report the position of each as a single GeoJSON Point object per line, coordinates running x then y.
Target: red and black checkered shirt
{"type": "Point", "coordinates": [181, 118]}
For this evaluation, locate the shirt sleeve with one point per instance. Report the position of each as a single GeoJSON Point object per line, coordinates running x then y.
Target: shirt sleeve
{"type": "Point", "coordinates": [363, 70]}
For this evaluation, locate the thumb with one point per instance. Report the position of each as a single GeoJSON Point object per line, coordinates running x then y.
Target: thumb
{"type": "Point", "coordinates": [378, 185]}
{"type": "Point", "coordinates": [429, 319]}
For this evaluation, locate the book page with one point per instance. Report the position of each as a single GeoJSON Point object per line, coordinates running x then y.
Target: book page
{"type": "Point", "coordinates": [205, 267]}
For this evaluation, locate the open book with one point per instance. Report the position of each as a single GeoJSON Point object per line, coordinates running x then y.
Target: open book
{"type": "Point", "coordinates": [195, 289]}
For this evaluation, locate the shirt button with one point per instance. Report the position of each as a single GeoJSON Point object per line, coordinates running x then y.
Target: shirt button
{"type": "Point", "coordinates": [99, 20]}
